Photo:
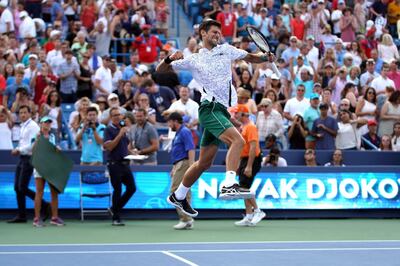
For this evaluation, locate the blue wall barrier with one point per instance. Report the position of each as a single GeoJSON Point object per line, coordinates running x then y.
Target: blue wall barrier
{"type": "Point", "coordinates": [276, 188]}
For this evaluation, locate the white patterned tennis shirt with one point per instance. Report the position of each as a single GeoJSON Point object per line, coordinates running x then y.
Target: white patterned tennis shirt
{"type": "Point", "coordinates": [213, 71]}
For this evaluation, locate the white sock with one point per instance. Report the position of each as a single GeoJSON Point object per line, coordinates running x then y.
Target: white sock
{"type": "Point", "coordinates": [249, 216]}
{"type": "Point", "coordinates": [230, 178]}
{"type": "Point", "coordinates": [181, 192]}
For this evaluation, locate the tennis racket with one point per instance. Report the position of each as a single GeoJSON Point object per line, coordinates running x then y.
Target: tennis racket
{"type": "Point", "coordinates": [262, 43]}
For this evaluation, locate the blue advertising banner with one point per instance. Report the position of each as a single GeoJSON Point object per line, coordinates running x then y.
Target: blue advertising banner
{"type": "Point", "coordinates": [284, 190]}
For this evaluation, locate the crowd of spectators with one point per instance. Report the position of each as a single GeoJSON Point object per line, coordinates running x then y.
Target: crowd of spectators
{"type": "Point", "coordinates": [338, 88]}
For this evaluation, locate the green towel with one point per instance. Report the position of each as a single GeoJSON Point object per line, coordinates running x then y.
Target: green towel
{"type": "Point", "coordinates": [53, 165]}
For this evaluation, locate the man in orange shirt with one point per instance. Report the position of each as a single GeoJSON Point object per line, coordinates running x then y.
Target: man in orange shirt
{"type": "Point", "coordinates": [250, 164]}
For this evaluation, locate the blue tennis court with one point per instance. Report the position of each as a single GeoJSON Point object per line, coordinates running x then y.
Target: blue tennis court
{"type": "Point", "coordinates": [333, 253]}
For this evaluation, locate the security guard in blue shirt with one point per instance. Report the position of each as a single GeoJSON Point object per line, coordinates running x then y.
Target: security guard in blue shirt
{"type": "Point", "coordinates": [182, 155]}
{"type": "Point", "coordinates": [116, 143]}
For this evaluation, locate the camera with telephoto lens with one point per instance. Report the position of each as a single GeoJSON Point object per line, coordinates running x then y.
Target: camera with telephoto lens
{"type": "Point", "coordinates": [91, 124]}
{"type": "Point", "coordinates": [272, 158]}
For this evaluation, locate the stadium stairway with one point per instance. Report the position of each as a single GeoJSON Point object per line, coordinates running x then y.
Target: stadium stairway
{"type": "Point", "coordinates": [179, 24]}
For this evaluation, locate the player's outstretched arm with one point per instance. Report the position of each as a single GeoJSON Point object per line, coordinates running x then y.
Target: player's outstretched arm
{"type": "Point", "coordinates": [259, 58]}
{"type": "Point", "coordinates": [165, 65]}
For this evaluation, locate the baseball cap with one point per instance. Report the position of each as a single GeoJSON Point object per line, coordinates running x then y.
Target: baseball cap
{"type": "Point", "coordinates": [226, 2]}
{"type": "Point", "coordinates": [369, 25]}
{"type": "Point", "coordinates": [242, 108]}
{"type": "Point", "coordinates": [112, 96]}
{"type": "Point", "coordinates": [317, 85]}
{"type": "Point", "coordinates": [314, 5]}
{"type": "Point", "coordinates": [293, 38]}
{"type": "Point", "coordinates": [314, 96]}
{"type": "Point", "coordinates": [140, 69]}
{"type": "Point", "coordinates": [46, 119]}
{"type": "Point", "coordinates": [311, 37]}
{"type": "Point", "coordinates": [54, 33]}
{"type": "Point", "coordinates": [23, 14]}
{"type": "Point", "coordinates": [372, 122]}
{"type": "Point", "coordinates": [33, 56]}
{"type": "Point", "coordinates": [274, 76]}
{"type": "Point", "coordinates": [370, 61]}
{"type": "Point", "coordinates": [106, 57]}
{"type": "Point", "coordinates": [264, 9]}
{"type": "Point", "coordinates": [341, 2]}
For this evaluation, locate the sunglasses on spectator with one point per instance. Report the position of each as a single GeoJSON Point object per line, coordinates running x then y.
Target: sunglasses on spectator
{"type": "Point", "coordinates": [300, 90]}
{"type": "Point", "coordinates": [344, 104]}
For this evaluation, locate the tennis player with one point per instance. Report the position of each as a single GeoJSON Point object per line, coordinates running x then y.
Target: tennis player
{"type": "Point", "coordinates": [211, 68]}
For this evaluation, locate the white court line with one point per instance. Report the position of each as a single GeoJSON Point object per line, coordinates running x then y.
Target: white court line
{"type": "Point", "coordinates": [188, 262]}
{"type": "Point", "coordinates": [200, 243]}
{"type": "Point", "coordinates": [196, 251]}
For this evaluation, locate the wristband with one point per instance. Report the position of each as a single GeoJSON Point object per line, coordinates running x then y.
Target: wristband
{"type": "Point", "coordinates": [264, 58]}
{"type": "Point", "coordinates": [167, 60]}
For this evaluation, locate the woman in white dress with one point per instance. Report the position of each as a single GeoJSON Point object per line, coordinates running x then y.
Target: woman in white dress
{"type": "Point", "coordinates": [366, 108]}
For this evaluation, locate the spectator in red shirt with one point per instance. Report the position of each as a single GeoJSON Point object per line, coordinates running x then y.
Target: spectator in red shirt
{"type": "Point", "coordinates": [228, 21]}
{"type": "Point", "coordinates": [50, 45]}
{"type": "Point", "coordinates": [394, 73]}
{"type": "Point", "coordinates": [297, 25]}
{"type": "Point", "coordinates": [369, 43]}
{"type": "Point", "coordinates": [146, 45]}
{"type": "Point", "coordinates": [41, 80]}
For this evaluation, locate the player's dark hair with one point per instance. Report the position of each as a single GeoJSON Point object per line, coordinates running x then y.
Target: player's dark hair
{"type": "Point", "coordinates": [207, 24]}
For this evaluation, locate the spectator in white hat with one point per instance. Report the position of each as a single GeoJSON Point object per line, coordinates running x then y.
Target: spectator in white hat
{"type": "Point", "coordinates": [32, 68]}
{"type": "Point", "coordinates": [6, 18]}
{"type": "Point", "coordinates": [27, 27]}
{"type": "Point", "coordinates": [113, 102]}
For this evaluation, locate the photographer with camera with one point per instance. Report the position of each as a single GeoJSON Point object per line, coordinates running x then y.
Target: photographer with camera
{"type": "Point", "coordinates": [274, 158]}
{"type": "Point", "coordinates": [116, 143]}
{"type": "Point", "coordinates": [90, 137]}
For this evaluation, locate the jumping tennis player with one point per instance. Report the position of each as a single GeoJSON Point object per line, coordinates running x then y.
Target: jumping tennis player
{"type": "Point", "coordinates": [211, 68]}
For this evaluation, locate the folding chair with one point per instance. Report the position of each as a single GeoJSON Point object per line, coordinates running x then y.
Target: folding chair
{"type": "Point", "coordinates": [95, 184]}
